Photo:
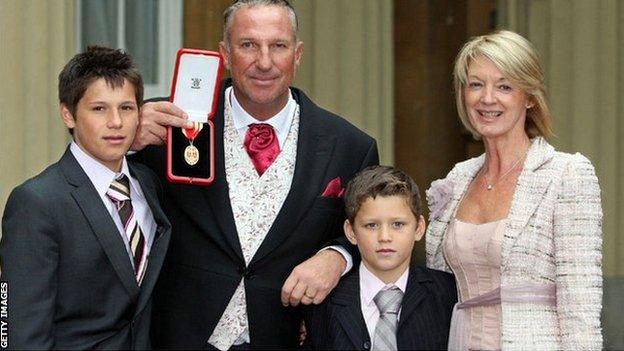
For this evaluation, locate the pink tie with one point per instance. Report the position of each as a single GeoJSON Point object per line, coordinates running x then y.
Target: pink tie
{"type": "Point", "coordinates": [262, 146]}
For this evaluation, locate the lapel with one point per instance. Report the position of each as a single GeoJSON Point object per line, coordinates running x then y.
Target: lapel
{"type": "Point", "coordinates": [533, 182]}
{"type": "Point", "coordinates": [415, 293]}
{"type": "Point", "coordinates": [100, 221]}
{"type": "Point", "coordinates": [461, 178]}
{"type": "Point", "coordinates": [161, 237]}
{"type": "Point", "coordinates": [345, 299]}
{"type": "Point", "coordinates": [314, 149]}
{"type": "Point", "coordinates": [217, 194]}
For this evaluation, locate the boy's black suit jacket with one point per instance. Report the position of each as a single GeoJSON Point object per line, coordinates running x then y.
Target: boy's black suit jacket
{"type": "Point", "coordinates": [424, 320]}
{"type": "Point", "coordinates": [71, 282]}
{"type": "Point", "coordinates": [205, 262]}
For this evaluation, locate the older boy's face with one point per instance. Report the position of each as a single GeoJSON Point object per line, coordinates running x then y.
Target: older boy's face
{"type": "Point", "coordinates": [385, 230]}
{"type": "Point", "coordinates": [105, 122]}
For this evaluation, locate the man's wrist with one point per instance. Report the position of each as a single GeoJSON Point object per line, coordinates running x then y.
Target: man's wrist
{"type": "Point", "coordinates": [348, 261]}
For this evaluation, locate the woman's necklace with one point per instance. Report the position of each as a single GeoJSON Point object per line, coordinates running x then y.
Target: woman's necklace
{"type": "Point", "coordinates": [489, 185]}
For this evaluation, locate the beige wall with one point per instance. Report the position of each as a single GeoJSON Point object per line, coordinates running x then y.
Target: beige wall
{"type": "Point", "coordinates": [35, 41]}
{"type": "Point", "coordinates": [582, 45]}
{"type": "Point", "coordinates": [347, 63]}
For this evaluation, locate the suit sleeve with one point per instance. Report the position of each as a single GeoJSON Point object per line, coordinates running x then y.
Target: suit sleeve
{"type": "Point", "coordinates": [153, 156]}
{"type": "Point", "coordinates": [578, 256]}
{"type": "Point", "coordinates": [371, 158]}
{"type": "Point", "coordinates": [29, 255]}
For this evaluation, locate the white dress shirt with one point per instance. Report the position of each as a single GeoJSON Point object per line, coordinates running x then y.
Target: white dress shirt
{"type": "Point", "coordinates": [101, 177]}
{"type": "Point", "coordinates": [370, 285]}
{"type": "Point", "coordinates": [280, 122]}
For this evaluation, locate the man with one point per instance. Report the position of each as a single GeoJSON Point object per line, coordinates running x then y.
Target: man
{"type": "Point", "coordinates": [236, 242]}
{"type": "Point", "coordinates": [83, 242]}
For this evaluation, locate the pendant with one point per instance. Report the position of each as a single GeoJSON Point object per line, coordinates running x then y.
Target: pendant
{"type": "Point", "coordinates": [489, 187]}
{"type": "Point", "coordinates": [191, 155]}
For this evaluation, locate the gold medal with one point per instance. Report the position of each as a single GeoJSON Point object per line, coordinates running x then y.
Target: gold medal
{"type": "Point", "coordinates": [191, 153]}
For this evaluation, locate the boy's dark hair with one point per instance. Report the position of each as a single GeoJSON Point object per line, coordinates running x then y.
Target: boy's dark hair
{"type": "Point", "coordinates": [114, 65]}
{"type": "Point", "coordinates": [380, 181]}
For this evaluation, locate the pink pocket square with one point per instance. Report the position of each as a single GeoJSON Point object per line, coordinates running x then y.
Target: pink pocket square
{"type": "Point", "coordinates": [333, 189]}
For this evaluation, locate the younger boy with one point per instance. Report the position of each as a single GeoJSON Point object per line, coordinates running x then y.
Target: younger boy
{"type": "Point", "coordinates": [388, 303]}
{"type": "Point", "coordinates": [83, 242]}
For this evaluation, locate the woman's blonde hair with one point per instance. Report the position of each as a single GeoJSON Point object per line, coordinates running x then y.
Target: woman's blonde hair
{"type": "Point", "coordinates": [517, 59]}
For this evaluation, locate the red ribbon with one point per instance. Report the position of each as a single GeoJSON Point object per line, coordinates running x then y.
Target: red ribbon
{"type": "Point", "coordinates": [192, 133]}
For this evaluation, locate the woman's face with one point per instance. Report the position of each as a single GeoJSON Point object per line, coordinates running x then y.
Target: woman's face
{"type": "Point", "coordinates": [495, 105]}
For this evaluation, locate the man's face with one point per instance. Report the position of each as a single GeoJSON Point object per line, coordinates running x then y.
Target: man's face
{"type": "Point", "coordinates": [105, 122]}
{"type": "Point", "coordinates": [262, 57]}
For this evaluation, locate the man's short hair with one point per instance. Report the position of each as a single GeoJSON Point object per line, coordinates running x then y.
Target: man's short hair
{"type": "Point", "coordinates": [228, 15]}
{"type": "Point", "coordinates": [114, 65]}
{"type": "Point", "coordinates": [380, 181]}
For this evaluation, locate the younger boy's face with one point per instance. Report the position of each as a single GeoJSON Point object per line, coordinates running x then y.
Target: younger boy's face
{"type": "Point", "coordinates": [385, 229]}
{"type": "Point", "coordinates": [105, 122]}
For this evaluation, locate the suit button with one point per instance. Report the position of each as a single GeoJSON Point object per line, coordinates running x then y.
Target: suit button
{"type": "Point", "coordinates": [245, 272]}
{"type": "Point", "coordinates": [366, 345]}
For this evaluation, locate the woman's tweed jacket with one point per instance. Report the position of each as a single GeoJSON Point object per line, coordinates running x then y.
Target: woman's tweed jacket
{"type": "Point", "coordinates": [553, 234]}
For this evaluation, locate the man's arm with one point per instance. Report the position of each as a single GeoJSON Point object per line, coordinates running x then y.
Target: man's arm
{"type": "Point", "coordinates": [311, 281]}
{"type": "Point", "coordinates": [29, 256]}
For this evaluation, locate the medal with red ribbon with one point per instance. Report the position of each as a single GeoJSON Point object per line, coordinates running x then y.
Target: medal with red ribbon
{"type": "Point", "coordinates": [191, 154]}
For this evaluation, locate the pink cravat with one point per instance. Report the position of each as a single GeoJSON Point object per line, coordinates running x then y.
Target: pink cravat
{"type": "Point", "coordinates": [262, 146]}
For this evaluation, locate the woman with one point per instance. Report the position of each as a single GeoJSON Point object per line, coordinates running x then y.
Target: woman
{"type": "Point", "coordinates": [519, 226]}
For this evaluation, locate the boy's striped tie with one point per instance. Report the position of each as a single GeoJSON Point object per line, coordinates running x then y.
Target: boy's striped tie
{"type": "Point", "coordinates": [119, 193]}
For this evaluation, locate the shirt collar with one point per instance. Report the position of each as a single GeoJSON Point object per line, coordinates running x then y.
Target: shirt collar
{"type": "Point", "coordinates": [280, 122]}
{"type": "Point", "coordinates": [100, 175]}
{"type": "Point", "coordinates": [370, 285]}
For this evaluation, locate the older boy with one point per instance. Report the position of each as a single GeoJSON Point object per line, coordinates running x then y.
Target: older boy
{"type": "Point", "coordinates": [83, 242]}
{"type": "Point", "coordinates": [388, 303]}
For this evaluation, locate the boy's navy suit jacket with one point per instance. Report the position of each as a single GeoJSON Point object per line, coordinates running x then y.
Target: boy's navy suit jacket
{"type": "Point", "coordinates": [424, 319]}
